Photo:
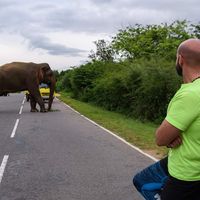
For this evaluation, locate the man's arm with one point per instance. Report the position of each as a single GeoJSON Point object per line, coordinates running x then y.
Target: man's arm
{"type": "Point", "coordinates": [168, 135]}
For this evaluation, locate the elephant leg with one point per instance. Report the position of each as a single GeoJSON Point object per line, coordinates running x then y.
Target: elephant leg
{"type": "Point", "coordinates": [33, 104]}
{"type": "Point", "coordinates": [38, 99]}
{"type": "Point", "coordinates": [27, 97]}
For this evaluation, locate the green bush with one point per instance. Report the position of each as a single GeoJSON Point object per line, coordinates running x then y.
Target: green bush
{"type": "Point", "coordinates": [64, 82]}
{"type": "Point", "coordinates": [83, 77]}
{"type": "Point", "coordinates": [109, 92]}
{"type": "Point", "coordinates": [158, 85]}
{"type": "Point", "coordinates": [141, 88]}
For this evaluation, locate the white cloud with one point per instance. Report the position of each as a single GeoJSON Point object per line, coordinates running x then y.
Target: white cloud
{"type": "Point", "coordinates": [62, 32]}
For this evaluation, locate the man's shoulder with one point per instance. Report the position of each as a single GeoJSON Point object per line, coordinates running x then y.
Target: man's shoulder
{"type": "Point", "coordinates": [188, 94]}
{"type": "Point", "coordinates": [191, 90]}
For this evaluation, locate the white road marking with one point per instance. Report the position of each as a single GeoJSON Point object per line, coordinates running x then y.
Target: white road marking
{"type": "Point", "coordinates": [5, 158]}
{"type": "Point", "coordinates": [14, 129]}
{"type": "Point", "coordinates": [20, 112]}
{"type": "Point", "coordinates": [23, 101]}
{"type": "Point", "coordinates": [3, 166]}
{"type": "Point", "coordinates": [116, 136]}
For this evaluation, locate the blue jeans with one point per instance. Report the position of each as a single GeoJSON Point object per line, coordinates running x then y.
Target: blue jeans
{"type": "Point", "coordinates": [150, 181]}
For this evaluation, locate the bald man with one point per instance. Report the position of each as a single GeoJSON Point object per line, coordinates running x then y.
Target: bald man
{"type": "Point", "coordinates": [182, 126]}
{"type": "Point", "coordinates": [180, 131]}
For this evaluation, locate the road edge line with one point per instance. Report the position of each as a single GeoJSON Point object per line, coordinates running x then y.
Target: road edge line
{"type": "Point", "coordinates": [113, 134]}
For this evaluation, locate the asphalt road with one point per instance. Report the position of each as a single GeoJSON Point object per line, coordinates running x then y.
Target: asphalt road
{"type": "Point", "coordinates": [60, 155]}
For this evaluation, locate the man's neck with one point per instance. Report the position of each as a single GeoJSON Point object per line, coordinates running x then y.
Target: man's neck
{"type": "Point", "coordinates": [190, 77]}
{"type": "Point", "coordinates": [190, 73]}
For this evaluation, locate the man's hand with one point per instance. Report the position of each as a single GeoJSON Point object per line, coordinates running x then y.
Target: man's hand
{"type": "Point", "coordinates": [175, 143]}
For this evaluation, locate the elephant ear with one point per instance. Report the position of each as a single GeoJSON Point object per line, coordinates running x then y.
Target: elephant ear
{"type": "Point", "coordinates": [46, 69]}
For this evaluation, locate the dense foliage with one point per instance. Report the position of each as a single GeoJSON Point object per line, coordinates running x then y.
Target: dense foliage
{"type": "Point", "coordinates": [134, 73]}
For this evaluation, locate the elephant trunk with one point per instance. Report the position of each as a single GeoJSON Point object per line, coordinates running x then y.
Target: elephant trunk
{"type": "Point", "coordinates": [51, 95]}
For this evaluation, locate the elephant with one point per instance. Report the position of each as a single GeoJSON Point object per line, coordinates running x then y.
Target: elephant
{"type": "Point", "coordinates": [20, 76]}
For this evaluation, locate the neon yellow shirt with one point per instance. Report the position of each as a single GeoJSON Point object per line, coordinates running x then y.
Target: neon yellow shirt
{"type": "Point", "coordinates": [184, 113]}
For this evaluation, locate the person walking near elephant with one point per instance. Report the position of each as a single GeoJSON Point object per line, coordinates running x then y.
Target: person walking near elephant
{"type": "Point", "coordinates": [182, 126]}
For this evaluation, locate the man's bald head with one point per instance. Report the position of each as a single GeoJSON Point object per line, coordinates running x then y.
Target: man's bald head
{"type": "Point", "coordinates": [190, 50]}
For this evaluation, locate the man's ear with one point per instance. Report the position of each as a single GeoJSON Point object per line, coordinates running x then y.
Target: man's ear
{"type": "Point", "coordinates": [181, 60]}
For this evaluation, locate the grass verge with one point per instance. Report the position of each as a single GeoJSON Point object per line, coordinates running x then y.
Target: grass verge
{"type": "Point", "coordinates": [134, 131]}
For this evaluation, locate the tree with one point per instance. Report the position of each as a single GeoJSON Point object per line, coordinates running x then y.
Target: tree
{"type": "Point", "coordinates": [197, 30]}
{"type": "Point", "coordinates": [151, 40]}
{"type": "Point", "coordinates": [104, 51]}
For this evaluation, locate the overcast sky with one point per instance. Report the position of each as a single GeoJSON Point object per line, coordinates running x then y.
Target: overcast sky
{"type": "Point", "coordinates": [62, 32]}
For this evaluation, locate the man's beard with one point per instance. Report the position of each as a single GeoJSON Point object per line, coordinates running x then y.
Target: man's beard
{"type": "Point", "coordinates": [179, 69]}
